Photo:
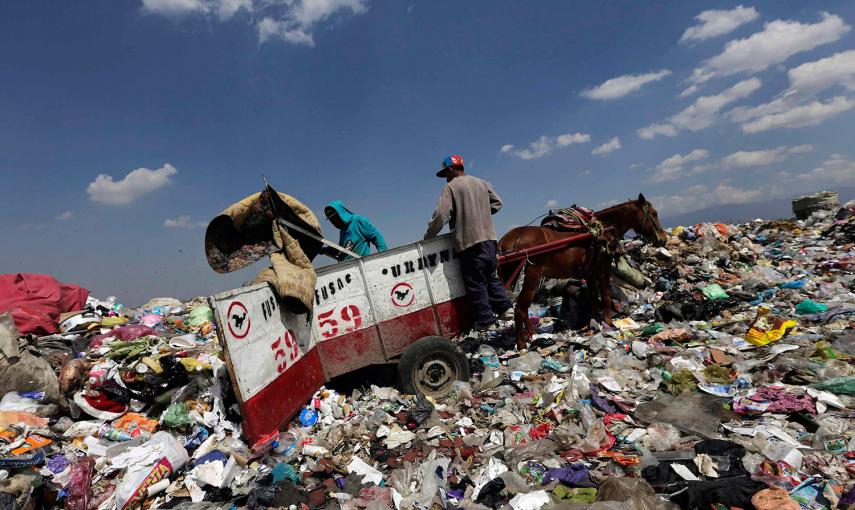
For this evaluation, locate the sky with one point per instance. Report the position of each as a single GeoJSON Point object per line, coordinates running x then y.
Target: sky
{"type": "Point", "coordinates": [128, 124]}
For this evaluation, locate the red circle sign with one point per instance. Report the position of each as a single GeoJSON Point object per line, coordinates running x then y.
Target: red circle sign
{"type": "Point", "coordinates": [402, 295]}
{"type": "Point", "coordinates": [238, 320]}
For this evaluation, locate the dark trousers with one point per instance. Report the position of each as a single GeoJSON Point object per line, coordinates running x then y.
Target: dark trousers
{"type": "Point", "coordinates": [483, 287]}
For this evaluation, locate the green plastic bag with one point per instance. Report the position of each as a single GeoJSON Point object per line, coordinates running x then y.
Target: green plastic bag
{"type": "Point", "coordinates": [838, 385]}
{"type": "Point", "coordinates": [714, 292]}
{"type": "Point", "coordinates": [282, 471]}
{"type": "Point", "coordinates": [176, 416]}
{"type": "Point", "coordinates": [200, 315]}
{"type": "Point", "coordinates": [652, 329]}
{"type": "Point", "coordinates": [809, 307]}
{"type": "Point", "coordinates": [681, 381]}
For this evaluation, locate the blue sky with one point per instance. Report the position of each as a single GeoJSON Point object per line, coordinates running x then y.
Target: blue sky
{"type": "Point", "coordinates": [359, 100]}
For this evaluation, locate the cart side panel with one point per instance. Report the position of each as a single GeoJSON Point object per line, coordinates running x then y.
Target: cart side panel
{"type": "Point", "coordinates": [446, 283]}
{"type": "Point", "coordinates": [343, 323]}
{"type": "Point", "coordinates": [271, 357]}
{"type": "Point", "coordinates": [282, 399]}
{"type": "Point", "coordinates": [455, 316]}
{"type": "Point", "coordinates": [350, 352]}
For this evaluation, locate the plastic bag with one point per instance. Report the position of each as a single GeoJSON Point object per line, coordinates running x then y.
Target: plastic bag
{"type": "Point", "coordinates": [176, 416]}
{"type": "Point", "coordinates": [629, 494]}
{"type": "Point", "coordinates": [78, 486]}
{"type": "Point", "coordinates": [838, 385]}
{"type": "Point", "coordinates": [810, 307]}
{"type": "Point", "coordinates": [662, 437]}
{"type": "Point", "coordinates": [200, 315]}
{"type": "Point", "coordinates": [696, 413]}
{"type": "Point", "coordinates": [14, 401]}
{"type": "Point", "coordinates": [133, 489]}
{"type": "Point", "coordinates": [462, 389]}
{"type": "Point", "coordinates": [528, 362]}
{"type": "Point", "coordinates": [422, 410]}
{"type": "Point", "coordinates": [596, 440]}
{"type": "Point", "coordinates": [714, 292]}
{"type": "Point", "coordinates": [30, 371]}
{"type": "Point", "coordinates": [766, 328]}
{"type": "Point", "coordinates": [774, 499]}
{"type": "Point", "coordinates": [488, 356]}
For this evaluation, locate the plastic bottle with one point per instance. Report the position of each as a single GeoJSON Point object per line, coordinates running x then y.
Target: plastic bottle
{"type": "Point", "coordinates": [289, 443]}
{"type": "Point", "coordinates": [100, 374]}
{"type": "Point", "coordinates": [111, 433]}
{"type": "Point", "coordinates": [586, 414]}
{"type": "Point", "coordinates": [488, 356]}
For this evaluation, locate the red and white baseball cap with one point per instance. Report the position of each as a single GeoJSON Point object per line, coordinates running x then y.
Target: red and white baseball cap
{"type": "Point", "coordinates": [450, 161]}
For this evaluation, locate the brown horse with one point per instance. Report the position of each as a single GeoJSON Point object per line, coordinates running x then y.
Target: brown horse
{"type": "Point", "coordinates": [590, 259]}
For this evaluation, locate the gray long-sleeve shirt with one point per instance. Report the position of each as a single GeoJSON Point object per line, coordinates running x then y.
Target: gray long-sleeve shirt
{"type": "Point", "coordinates": [467, 204]}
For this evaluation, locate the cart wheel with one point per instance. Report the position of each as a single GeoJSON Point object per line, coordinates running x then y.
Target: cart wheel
{"type": "Point", "coordinates": [430, 366]}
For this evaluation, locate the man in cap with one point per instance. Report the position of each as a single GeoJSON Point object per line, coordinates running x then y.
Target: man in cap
{"type": "Point", "coordinates": [467, 204]}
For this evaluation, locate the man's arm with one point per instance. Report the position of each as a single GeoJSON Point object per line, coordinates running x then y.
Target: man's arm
{"type": "Point", "coordinates": [495, 199]}
{"type": "Point", "coordinates": [441, 215]}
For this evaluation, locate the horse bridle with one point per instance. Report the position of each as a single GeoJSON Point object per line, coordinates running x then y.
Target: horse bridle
{"type": "Point", "coordinates": [645, 210]}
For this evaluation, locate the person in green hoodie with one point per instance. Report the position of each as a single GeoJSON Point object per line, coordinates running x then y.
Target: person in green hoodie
{"type": "Point", "coordinates": [356, 233]}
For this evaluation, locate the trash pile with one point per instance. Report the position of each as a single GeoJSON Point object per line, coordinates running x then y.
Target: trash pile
{"type": "Point", "coordinates": [726, 382]}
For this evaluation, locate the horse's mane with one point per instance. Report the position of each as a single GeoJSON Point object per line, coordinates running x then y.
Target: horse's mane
{"type": "Point", "coordinates": [609, 209]}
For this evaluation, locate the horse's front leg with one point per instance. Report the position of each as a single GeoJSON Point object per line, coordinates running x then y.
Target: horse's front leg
{"type": "Point", "coordinates": [531, 280]}
{"type": "Point", "coordinates": [605, 278]}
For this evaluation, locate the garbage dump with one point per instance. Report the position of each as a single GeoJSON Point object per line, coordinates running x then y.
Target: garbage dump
{"type": "Point", "coordinates": [726, 381]}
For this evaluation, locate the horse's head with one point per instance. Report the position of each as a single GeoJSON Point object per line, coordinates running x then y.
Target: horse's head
{"type": "Point", "coordinates": [647, 222]}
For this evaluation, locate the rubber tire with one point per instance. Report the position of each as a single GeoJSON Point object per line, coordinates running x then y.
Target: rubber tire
{"type": "Point", "coordinates": [421, 350]}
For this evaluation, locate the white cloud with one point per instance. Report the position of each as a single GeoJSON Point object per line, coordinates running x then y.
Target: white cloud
{"type": "Point", "coordinates": [650, 132]}
{"type": "Point", "coordinates": [608, 147]}
{"type": "Point", "coordinates": [292, 21]}
{"type": "Point", "coordinates": [813, 77]}
{"type": "Point", "coordinates": [65, 216]}
{"type": "Point", "coordinates": [223, 9]}
{"type": "Point", "coordinates": [544, 145]}
{"type": "Point", "coordinates": [137, 183]}
{"type": "Point", "coordinates": [778, 41]}
{"type": "Point", "coordinates": [565, 140]}
{"type": "Point", "coordinates": [696, 189]}
{"type": "Point", "coordinates": [746, 159]}
{"type": "Point", "coordinates": [835, 170]}
{"type": "Point", "coordinates": [689, 91]}
{"type": "Point", "coordinates": [174, 7]}
{"type": "Point", "coordinates": [182, 222]}
{"type": "Point", "coordinates": [552, 203]}
{"type": "Point", "coordinates": [584, 172]}
{"type": "Point", "coordinates": [792, 108]}
{"type": "Point", "coordinates": [800, 116]}
{"type": "Point", "coordinates": [270, 28]}
{"type": "Point", "coordinates": [302, 16]}
{"type": "Point", "coordinates": [623, 85]}
{"type": "Point", "coordinates": [702, 113]}
{"type": "Point", "coordinates": [698, 197]}
{"type": "Point", "coordinates": [672, 168]}
{"type": "Point", "coordinates": [714, 23]}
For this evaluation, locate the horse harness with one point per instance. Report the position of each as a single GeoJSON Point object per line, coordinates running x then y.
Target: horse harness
{"type": "Point", "coordinates": [581, 220]}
